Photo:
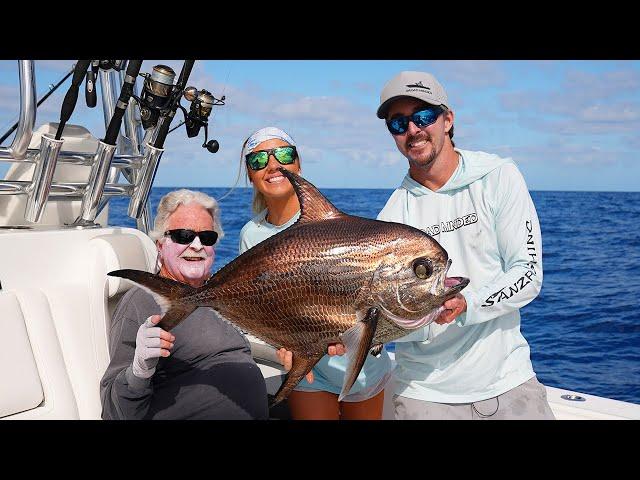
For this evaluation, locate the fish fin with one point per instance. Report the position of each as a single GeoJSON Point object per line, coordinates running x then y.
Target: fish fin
{"type": "Point", "coordinates": [376, 350]}
{"type": "Point", "coordinates": [175, 315]}
{"type": "Point", "coordinates": [166, 292]}
{"type": "Point", "coordinates": [301, 366]}
{"type": "Point", "coordinates": [313, 205]}
{"type": "Point", "coordinates": [357, 341]}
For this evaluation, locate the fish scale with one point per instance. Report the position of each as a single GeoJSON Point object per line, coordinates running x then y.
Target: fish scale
{"type": "Point", "coordinates": [328, 278]}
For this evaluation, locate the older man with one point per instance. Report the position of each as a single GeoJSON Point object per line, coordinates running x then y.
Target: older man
{"type": "Point", "coordinates": [203, 368]}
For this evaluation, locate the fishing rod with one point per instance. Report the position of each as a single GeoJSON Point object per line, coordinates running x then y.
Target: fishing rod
{"type": "Point", "coordinates": [164, 115]}
{"type": "Point", "coordinates": [71, 98]}
{"type": "Point", "coordinates": [52, 89]}
{"type": "Point", "coordinates": [106, 149]}
{"type": "Point", "coordinates": [133, 69]}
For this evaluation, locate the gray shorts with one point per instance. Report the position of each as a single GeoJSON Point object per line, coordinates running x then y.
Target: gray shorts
{"type": "Point", "coordinates": [527, 401]}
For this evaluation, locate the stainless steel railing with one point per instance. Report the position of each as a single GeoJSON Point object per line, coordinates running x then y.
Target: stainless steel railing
{"type": "Point", "coordinates": [132, 155]}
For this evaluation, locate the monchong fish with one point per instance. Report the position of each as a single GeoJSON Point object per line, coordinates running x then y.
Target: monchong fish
{"type": "Point", "coordinates": [328, 278]}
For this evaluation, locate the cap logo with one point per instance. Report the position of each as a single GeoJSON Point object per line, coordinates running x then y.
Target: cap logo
{"type": "Point", "coordinates": [418, 85]}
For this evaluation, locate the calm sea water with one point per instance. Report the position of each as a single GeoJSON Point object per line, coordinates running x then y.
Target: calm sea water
{"type": "Point", "coordinates": [584, 327]}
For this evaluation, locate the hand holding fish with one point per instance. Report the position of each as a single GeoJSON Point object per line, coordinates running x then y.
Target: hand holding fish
{"type": "Point", "coordinates": [286, 359]}
{"type": "Point", "coordinates": [328, 279]}
{"type": "Point", "coordinates": [453, 307]}
{"type": "Point", "coordinates": [336, 349]}
{"type": "Point", "coordinates": [151, 343]}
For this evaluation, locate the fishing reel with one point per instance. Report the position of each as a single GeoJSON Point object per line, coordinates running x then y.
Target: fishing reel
{"type": "Point", "coordinates": [110, 64]}
{"type": "Point", "coordinates": [202, 102]}
{"type": "Point", "coordinates": [92, 76]}
{"type": "Point", "coordinates": [156, 94]}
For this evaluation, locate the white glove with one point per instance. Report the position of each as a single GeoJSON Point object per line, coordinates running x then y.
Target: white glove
{"type": "Point", "coordinates": [151, 343]}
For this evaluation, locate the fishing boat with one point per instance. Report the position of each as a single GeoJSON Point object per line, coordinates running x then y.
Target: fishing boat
{"type": "Point", "coordinates": [56, 247]}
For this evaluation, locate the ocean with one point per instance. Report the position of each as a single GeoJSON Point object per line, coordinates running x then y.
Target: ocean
{"type": "Point", "coordinates": [583, 328]}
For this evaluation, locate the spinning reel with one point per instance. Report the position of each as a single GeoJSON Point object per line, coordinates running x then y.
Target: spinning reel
{"type": "Point", "coordinates": [202, 102]}
{"type": "Point", "coordinates": [156, 95]}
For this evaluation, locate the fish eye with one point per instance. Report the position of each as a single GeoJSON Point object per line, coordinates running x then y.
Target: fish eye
{"type": "Point", "coordinates": [422, 268]}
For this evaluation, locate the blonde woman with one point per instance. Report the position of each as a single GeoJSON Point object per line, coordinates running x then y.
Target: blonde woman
{"type": "Point", "coordinates": [276, 207]}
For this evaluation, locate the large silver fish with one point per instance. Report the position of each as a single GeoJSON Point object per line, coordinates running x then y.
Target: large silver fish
{"type": "Point", "coordinates": [328, 278]}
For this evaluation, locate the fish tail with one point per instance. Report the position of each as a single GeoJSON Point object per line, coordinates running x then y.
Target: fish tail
{"type": "Point", "coordinates": [168, 294]}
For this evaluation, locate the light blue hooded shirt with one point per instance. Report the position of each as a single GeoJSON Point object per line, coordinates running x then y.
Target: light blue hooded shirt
{"type": "Point", "coordinates": [329, 372]}
{"type": "Point", "coordinates": [486, 221]}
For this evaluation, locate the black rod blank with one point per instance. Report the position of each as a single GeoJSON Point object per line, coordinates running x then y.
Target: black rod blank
{"type": "Point", "coordinates": [133, 69]}
{"type": "Point", "coordinates": [71, 98]}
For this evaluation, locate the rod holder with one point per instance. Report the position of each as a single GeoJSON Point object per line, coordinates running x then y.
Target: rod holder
{"type": "Point", "coordinates": [145, 180]}
{"type": "Point", "coordinates": [96, 183]}
{"type": "Point", "coordinates": [42, 177]}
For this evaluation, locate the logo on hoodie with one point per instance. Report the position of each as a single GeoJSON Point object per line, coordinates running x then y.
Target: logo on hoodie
{"type": "Point", "coordinates": [451, 225]}
{"type": "Point", "coordinates": [509, 291]}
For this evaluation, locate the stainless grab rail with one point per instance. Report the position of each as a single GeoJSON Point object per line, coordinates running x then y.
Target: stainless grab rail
{"type": "Point", "coordinates": [27, 119]}
{"type": "Point", "coordinates": [133, 155]}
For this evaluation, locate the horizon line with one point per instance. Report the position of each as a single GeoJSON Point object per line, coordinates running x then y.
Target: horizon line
{"type": "Point", "coordinates": [393, 188]}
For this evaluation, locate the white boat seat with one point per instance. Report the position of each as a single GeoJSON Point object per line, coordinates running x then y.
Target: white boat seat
{"type": "Point", "coordinates": [108, 253]}
{"type": "Point", "coordinates": [31, 360]}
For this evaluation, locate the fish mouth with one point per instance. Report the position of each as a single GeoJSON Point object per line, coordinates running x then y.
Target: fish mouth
{"type": "Point", "coordinates": [453, 285]}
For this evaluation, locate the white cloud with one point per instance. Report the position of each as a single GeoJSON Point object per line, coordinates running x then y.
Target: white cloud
{"type": "Point", "coordinates": [472, 73]}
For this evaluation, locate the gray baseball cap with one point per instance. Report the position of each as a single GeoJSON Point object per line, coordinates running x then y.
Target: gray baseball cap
{"type": "Point", "coordinates": [420, 85]}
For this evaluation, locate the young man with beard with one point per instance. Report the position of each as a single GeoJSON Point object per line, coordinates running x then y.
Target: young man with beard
{"type": "Point", "coordinates": [472, 362]}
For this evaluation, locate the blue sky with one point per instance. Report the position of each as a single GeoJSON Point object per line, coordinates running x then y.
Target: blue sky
{"type": "Point", "coordinates": [569, 125]}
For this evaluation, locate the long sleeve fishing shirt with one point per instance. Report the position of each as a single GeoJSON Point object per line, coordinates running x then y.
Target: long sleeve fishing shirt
{"type": "Point", "coordinates": [485, 219]}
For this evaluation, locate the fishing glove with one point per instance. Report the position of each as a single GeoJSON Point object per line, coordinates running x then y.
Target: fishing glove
{"type": "Point", "coordinates": [148, 350]}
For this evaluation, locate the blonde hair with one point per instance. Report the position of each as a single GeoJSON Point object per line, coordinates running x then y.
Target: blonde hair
{"type": "Point", "coordinates": [258, 203]}
{"type": "Point", "coordinates": [172, 200]}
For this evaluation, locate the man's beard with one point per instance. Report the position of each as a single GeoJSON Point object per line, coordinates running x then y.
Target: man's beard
{"type": "Point", "coordinates": [428, 161]}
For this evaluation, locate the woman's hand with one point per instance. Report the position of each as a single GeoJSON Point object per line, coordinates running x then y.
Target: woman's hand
{"type": "Point", "coordinates": [286, 358]}
{"type": "Point", "coordinates": [336, 349]}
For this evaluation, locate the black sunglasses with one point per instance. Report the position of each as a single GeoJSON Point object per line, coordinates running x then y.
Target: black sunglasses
{"type": "Point", "coordinates": [421, 118]}
{"type": "Point", "coordinates": [260, 158]}
{"type": "Point", "coordinates": [184, 236]}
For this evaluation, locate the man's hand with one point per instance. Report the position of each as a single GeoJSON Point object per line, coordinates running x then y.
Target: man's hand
{"type": "Point", "coordinates": [453, 307]}
{"type": "Point", "coordinates": [151, 343]}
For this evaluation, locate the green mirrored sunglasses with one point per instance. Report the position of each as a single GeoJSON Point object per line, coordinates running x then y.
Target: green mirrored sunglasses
{"type": "Point", "coordinates": [260, 158]}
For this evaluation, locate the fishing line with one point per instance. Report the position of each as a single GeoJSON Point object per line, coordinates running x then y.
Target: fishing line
{"type": "Point", "coordinates": [235, 184]}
